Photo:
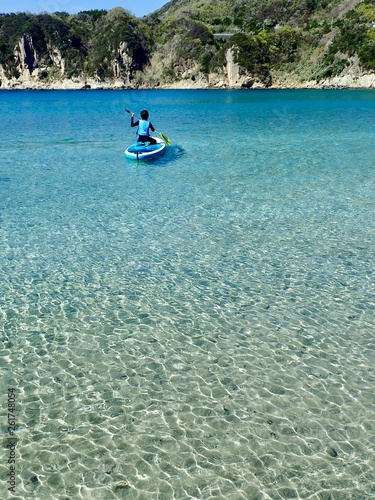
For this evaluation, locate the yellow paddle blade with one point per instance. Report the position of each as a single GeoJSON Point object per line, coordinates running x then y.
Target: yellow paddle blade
{"type": "Point", "coordinates": [165, 139]}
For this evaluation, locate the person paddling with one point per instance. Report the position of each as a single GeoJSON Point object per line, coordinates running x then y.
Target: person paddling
{"type": "Point", "coordinates": [144, 127]}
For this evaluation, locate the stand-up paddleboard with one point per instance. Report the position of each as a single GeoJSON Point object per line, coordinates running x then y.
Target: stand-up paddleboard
{"type": "Point", "coordinates": [143, 151]}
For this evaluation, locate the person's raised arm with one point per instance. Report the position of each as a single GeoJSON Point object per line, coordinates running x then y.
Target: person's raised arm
{"type": "Point", "coordinates": [132, 122]}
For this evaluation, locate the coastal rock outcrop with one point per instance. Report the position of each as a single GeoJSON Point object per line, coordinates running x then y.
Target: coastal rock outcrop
{"type": "Point", "coordinates": [122, 64]}
{"type": "Point", "coordinates": [48, 71]}
{"type": "Point", "coordinates": [25, 58]}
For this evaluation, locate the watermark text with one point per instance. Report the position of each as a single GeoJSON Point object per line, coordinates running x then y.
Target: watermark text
{"type": "Point", "coordinates": [12, 441]}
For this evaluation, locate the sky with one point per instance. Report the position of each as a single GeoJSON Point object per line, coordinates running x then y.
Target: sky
{"type": "Point", "coordinates": [137, 7]}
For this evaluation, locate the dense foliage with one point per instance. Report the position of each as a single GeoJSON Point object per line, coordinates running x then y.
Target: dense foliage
{"type": "Point", "coordinates": [357, 35]}
{"type": "Point", "coordinates": [191, 40]}
{"type": "Point", "coordinates": [315, 38]}
{"type": "Point", "coordinates": [258, 54]}
{"type": "Point", "coordinates": [303, 36]}
{"type": "Point", "coordinates": [89, 42]}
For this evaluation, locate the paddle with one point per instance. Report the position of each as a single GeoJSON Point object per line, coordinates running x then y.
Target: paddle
{"type": "Point", "coordinates": [163, 136]}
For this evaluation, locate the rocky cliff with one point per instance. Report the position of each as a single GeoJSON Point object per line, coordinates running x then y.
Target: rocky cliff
{"type": "Point", "coordinates": [188, 44]}
{"type": "Point", "coordinates": [35, 71]}
{"type": "Point", "coordinates": [96, 49]}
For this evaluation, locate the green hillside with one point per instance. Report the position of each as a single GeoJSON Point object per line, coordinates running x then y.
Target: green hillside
{"type": "Point", "coordinates": [309, 39]}
{"type": "Point", "coordinates": [314, 39]}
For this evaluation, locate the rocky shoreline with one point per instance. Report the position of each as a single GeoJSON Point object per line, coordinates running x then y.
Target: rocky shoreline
{"type": "Point", "coordinates": [363, 82]}
{"type": "Point", "coordinates": [348, 81]}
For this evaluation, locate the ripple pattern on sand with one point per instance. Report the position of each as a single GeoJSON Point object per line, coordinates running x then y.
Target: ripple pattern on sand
{"type": "Point", "coordinates": [201, 330]}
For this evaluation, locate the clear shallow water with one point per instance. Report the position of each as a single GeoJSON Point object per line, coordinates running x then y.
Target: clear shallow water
{"type": "Point", "coordinates": [199, 327]}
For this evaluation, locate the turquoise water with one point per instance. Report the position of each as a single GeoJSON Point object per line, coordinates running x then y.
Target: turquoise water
{"type": "Point", "coordinates": [198, 327]}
